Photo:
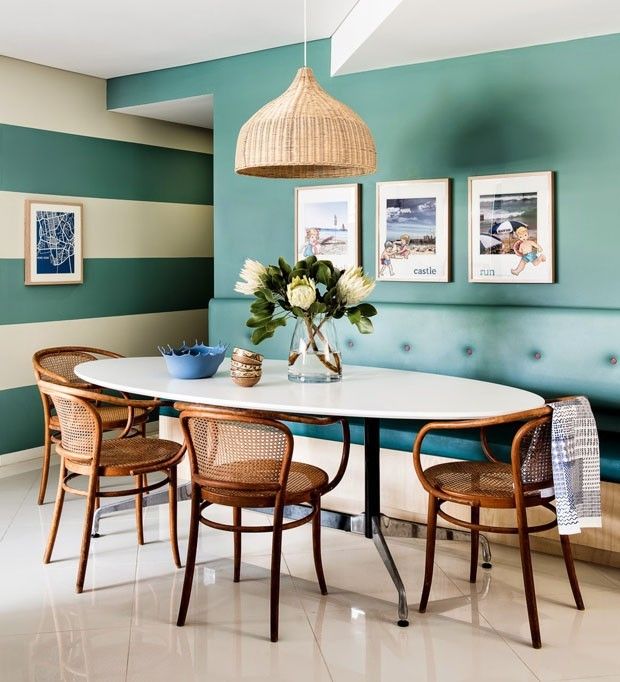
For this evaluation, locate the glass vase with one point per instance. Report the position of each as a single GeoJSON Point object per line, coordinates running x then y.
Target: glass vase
{"type": "Point", "coordinates": [314, 356]}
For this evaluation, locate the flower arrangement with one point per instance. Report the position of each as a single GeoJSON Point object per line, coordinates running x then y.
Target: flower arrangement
{"type": "Point", "coordinates": [308, 290]}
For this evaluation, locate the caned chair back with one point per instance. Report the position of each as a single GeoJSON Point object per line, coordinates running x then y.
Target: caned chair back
{"type": "Point", "coordinates": [58, 364]}
{"type": "Point", "coordinates": [80, 423]}
{"type": "Point", "coordinates": [534, 443]}
{"type": "Point", "coordinates": [231, 451]}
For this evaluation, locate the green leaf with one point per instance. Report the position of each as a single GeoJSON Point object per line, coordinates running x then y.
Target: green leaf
{"type": "Point", "coordinates": [261, 334]}
{"type": "Point", "coordinates": [323, 273]}
{"type": "Point", "coordinates": [284, 267]}
{"type": "Point", "coordinates": [367, 310]}
{"type": "Point", "coordinates": [257, 321]}
{"type": "Point", "coordinates": [275, 323]}
{"type": "Point", "coordinates": [310, 260]}
{"type": "Point", "coordinates": [269, 295]}
{"type": "Point", "coordinates": [354, 315]}
{"type": "Point", "coordinates": [364, 326]}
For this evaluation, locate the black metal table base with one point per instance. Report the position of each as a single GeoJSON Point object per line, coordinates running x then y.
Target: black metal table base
{"type": "Point", "coordinates": [371, 523]}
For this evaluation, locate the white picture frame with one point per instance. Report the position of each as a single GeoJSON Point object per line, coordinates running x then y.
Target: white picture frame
{"type": "Point", "coordinates": [327, 224]}
{"type": "Point", "coordinates": [511, 228]}
{"type": "Point", "coordinates": [413, 231]}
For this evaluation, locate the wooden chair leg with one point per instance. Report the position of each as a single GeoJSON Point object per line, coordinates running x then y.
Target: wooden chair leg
{"type": "Point", "coordinates": [190, 563]}
{"type": "Point", "coordinates": [475, 542]}
{"type": "Point", "coordinates": [431, 530]}
{"type": "Point", "coordinates": [93, 485]}
{"type": "Point", "coordinates": [570, 569]}
{"type": "Point", "coordinates": [237, 542]}
{"type": "Point", "coordinates": [316, 544]}
{"type": "Point", "coordinates": [172, 503]}
{"type": "Point", "coordinates": [139, 517]}
{"type": "Point", "coordinates": [528, 576]}
{"type": "Point", "coordinates": [276, 558]}
{"type": "Point", "coordinates": [45, 468]}
{"type": "Point", "coordinates": [60, 498]}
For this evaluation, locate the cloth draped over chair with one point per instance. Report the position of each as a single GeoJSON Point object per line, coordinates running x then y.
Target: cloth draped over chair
{"type": "Point", "coordinates": [575, 459]}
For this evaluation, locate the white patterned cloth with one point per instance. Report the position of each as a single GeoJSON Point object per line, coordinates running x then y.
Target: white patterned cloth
{"type": "Point", "coordinates": [575, 460]}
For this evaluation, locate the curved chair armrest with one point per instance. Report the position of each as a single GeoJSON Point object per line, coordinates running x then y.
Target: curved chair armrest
{"type": "Point", "coordinates": [93, 395]}
{"type": "Point", "coordinates": [525, 416]}
{"type": "Point", "coordinates": [287, 417]}
{"type": "Point", "coordinates": [486, 448]}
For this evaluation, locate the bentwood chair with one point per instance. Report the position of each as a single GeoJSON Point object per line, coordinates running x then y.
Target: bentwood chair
{"type": "Point", "coordinates": [83, 452]}
{"type": "Point", "coordinates": [525, 482]}
{"type": "Point", "coordinates": [57, 365]}
{"type": "Point", "coordinates": [244, 459]}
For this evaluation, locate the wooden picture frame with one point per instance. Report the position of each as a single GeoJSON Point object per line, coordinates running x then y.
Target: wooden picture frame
{"type": "Point", "coordinates": [511, 228]}
{"type": "Point", "coordinates": [413, 231]}
{"type": "Point", "coordinates": [53, 243]}
{"type": "Point", "coordinates": [327, 223]}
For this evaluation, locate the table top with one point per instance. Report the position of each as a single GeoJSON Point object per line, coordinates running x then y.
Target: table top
{"type": "Point", "coordinates": [363, 391]}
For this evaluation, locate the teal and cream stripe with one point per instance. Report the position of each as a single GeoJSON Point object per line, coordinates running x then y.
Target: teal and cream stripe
{"type": "Point", "coordinates": [147, 192]}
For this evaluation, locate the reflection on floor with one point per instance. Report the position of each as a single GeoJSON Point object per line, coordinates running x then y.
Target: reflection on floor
{"type": "Point", "coordinates": [122, 626]}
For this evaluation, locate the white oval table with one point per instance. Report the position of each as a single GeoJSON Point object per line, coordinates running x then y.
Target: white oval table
{"type": "Point", "coordinates": [369, 393]}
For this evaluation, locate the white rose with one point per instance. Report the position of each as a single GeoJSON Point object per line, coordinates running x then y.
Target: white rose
{"type": "Point", "coordinates": [353, 286]}
{"type": "Point", "coordinates": [301, 292]}
{"type": "Point", "coordinates": [252, 273]}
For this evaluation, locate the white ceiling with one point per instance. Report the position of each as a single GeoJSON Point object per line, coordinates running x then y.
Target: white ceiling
{"type": "Point", "coordinates": [191, 111]}
{"type": "Point", "coordinates": [426, 30]}
{"type": "Point", "coordinates": [109, 38]}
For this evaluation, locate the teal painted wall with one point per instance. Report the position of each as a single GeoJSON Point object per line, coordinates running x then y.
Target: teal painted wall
{"type": "Point", "coordinates": [44, 164]}
{"type": "Point", "coordinates": [552, 107]}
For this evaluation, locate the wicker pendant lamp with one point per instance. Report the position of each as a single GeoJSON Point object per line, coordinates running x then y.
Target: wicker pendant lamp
{"type": "Point", "coordinates": [305, 133]}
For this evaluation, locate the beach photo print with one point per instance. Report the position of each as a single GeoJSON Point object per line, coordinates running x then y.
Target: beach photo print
{"type": "Point", "coordinates": [327, 224]}
{"type": "Point", "coordinates": [511, 228]}
{"type": "Point", "coordinates": [413, 231]}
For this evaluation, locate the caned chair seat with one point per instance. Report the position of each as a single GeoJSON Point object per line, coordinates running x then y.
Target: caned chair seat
{"type": "Point", "coordinates": [112, 417]}
{"type": "Point", "coordinates": [121, 456]}
{"type": "Point", "coordinates": [472, 479]}
{"type": "Point", "coordinates": [304, 480]}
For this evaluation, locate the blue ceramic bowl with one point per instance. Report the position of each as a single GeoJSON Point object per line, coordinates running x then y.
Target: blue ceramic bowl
{"type": "Point", "coordinates": [193, 362]}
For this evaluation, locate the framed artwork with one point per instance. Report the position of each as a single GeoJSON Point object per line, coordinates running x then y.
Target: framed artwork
{"type": "Point", "coordinates": [511, 228]}
{"type": "Point", "coordinates": [327, 224]}
{"type": "Point", "coordinates": [53, 243]}
{"type": "Point", "coordinates": [413, 231]}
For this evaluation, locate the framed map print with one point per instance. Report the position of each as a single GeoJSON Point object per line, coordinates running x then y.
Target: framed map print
{"type": "Point", "coordinates": [413, 231]}
{"type": "Point", "coordinates": [511, 228]}
{"type": "Point", "coordinates": [53, 243]}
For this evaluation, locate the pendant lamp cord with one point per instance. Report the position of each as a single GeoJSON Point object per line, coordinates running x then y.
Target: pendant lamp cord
{"type": "Point", "coordinates": [305, 32]}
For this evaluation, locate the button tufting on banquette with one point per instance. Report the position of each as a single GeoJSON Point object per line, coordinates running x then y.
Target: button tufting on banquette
{"type": "Point", "coordinates": [506, 341]}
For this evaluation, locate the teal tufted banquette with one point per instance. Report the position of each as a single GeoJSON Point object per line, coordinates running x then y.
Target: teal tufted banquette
{"type": "Point", "coordinates": [551, 351]}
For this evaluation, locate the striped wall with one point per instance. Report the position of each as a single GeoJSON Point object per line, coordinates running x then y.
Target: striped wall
{"type": "Point", "coordinates": [147, 192]}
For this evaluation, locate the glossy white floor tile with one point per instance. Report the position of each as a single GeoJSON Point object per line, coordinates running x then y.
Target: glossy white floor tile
{"type": "Point", "coordinates": [123, 626]}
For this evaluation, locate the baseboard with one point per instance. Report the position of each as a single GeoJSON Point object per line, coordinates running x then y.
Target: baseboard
{"type": "Point", "coordinates": [13, 463]}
